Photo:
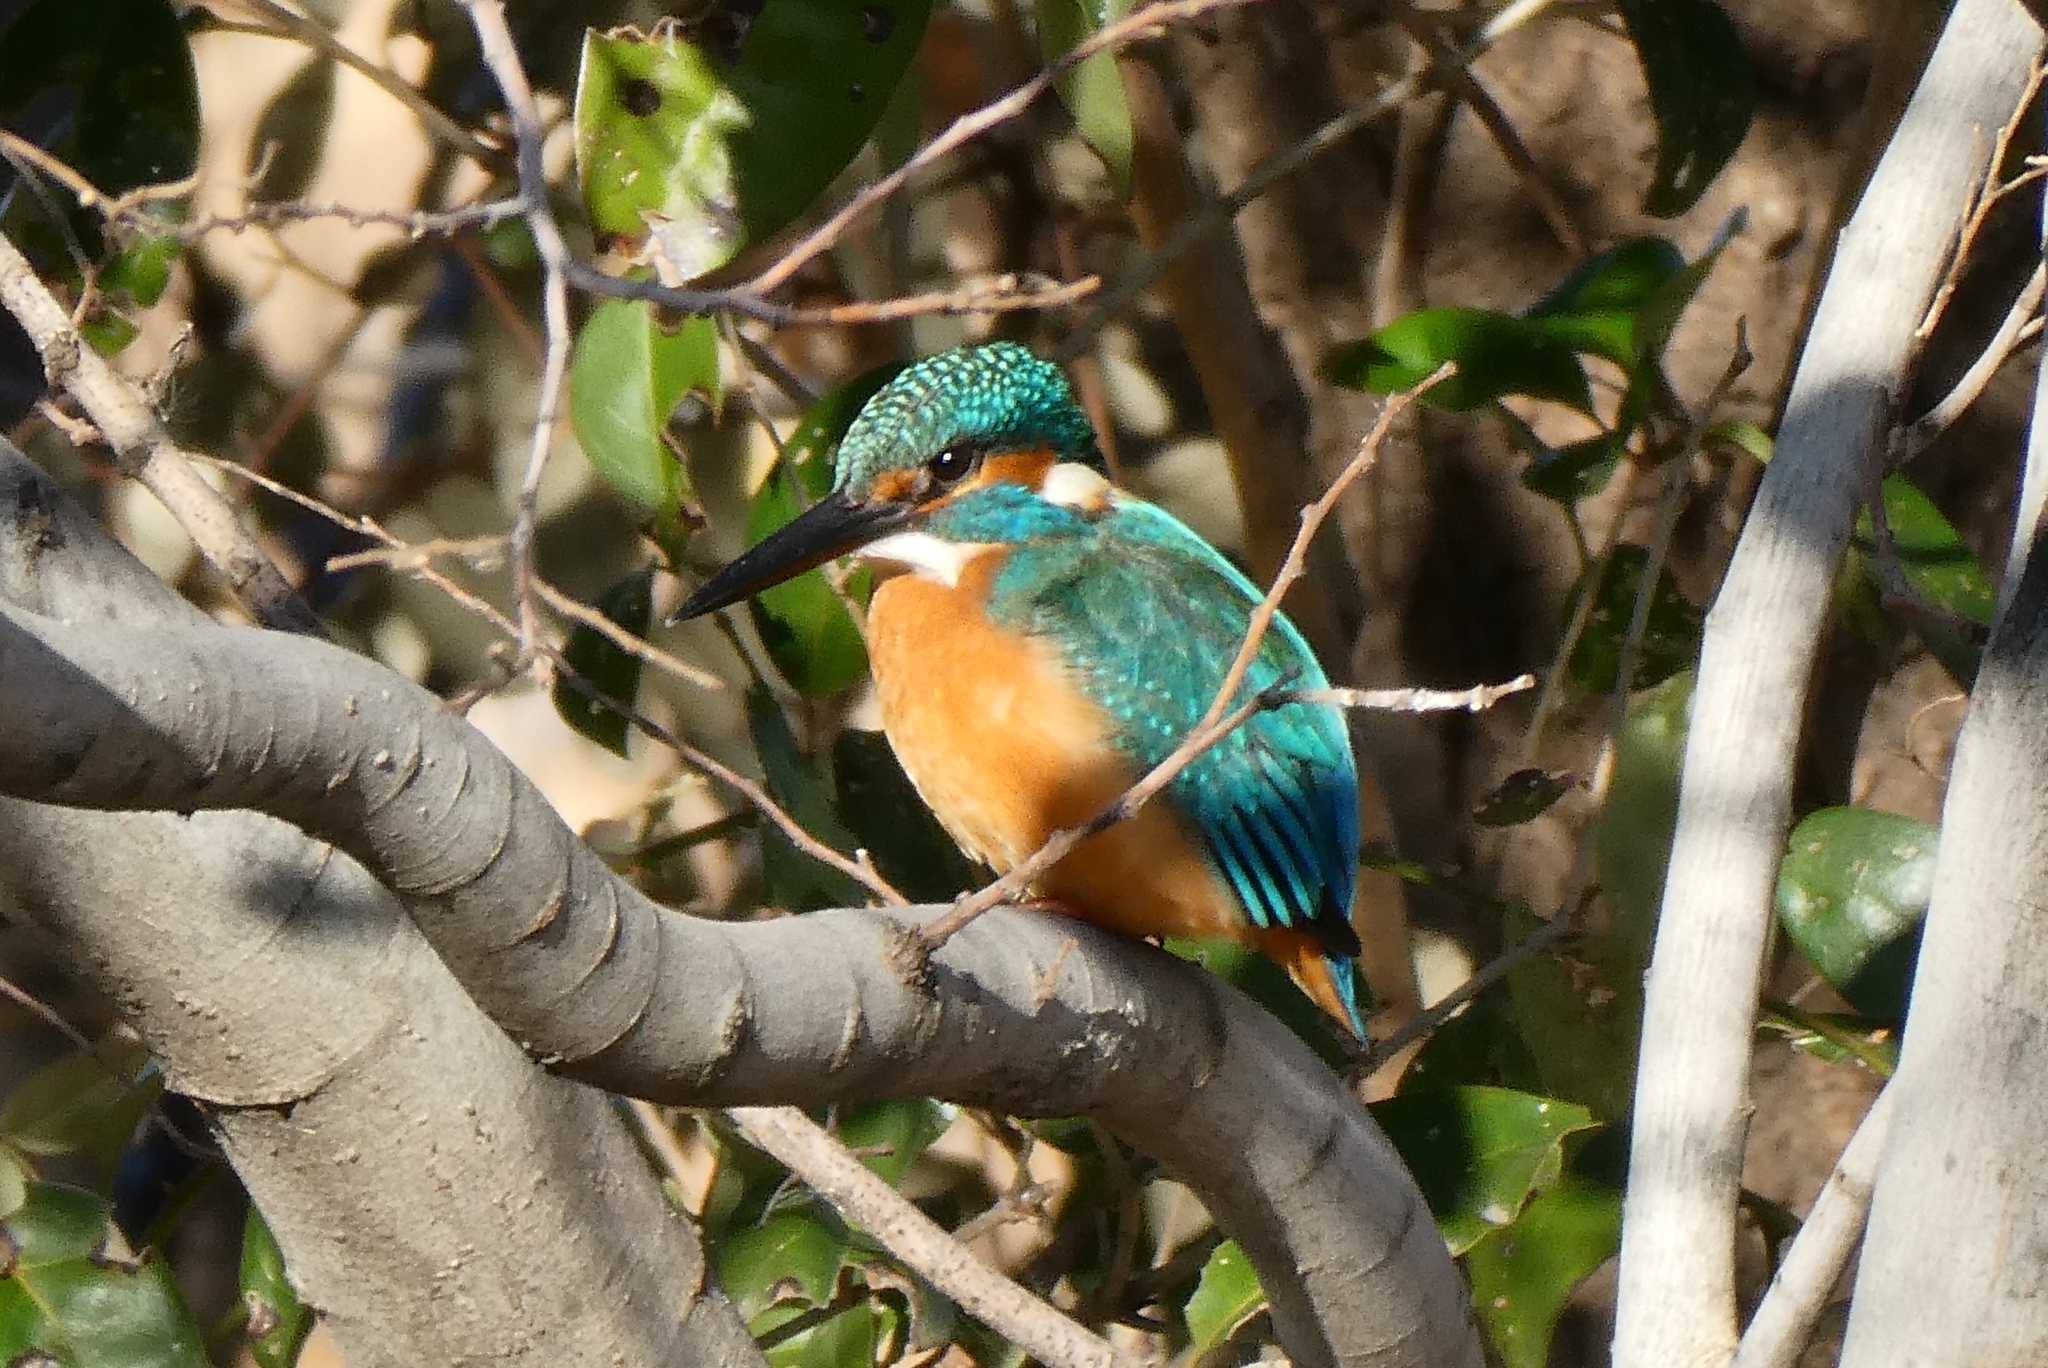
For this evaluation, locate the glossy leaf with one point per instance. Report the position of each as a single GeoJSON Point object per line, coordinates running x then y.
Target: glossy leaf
{"type": "Point", "coordinates": [809, 635]}
{"type": "Point", "coordinates": [793, 1256]}
{"type": "Point", "coordinates": [879, 804]}
{"type": "Point", "coordinates": [1852, 894]}
{"type": "Point", "coordinates": [1702, 93]}
{"type": "Point", "coordinates": [1931, 553]}
{"type": "Point", "coordinates": [1523, 1276]}
{"type": "Point", "coordinates": [278, 1321]}
{"type": "Point", "coordinates": [1227, 1297]}
{"type": "Point", "coordinates": [86, 1103]}
{"type": "Point", "coordinates": [1671, 631]}
{"type": "Point", "coordinates": [614, 671]}
{"type": "Point", "coordinates": [626, 377]}
{"type": "Point", "coordinates": [1595, 308]}
{"type": "Point", "coordinates": [64, 1296]}
{"type": "Point", "coordinates": [1497, 355]}
{"type": "Point", "coordinates": [1093, 90]}
{"type": "Point", "coordinates": [890, 1136]}
{"type": "Point", "coordinates": [1478, 1153]}
{"type": "Point", "coordinates": [707, 140]}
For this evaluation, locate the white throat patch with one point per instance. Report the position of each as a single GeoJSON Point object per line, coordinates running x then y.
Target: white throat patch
{"type": "Point", "coordinates": [934, 558]}
{"type": "Point", "coordinates": [1073, 485]}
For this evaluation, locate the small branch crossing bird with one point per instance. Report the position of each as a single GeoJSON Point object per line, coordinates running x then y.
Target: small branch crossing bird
{"type": "Point", "coordinates": [1048, 638]}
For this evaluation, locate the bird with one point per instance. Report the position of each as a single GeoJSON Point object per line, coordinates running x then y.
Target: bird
{"type": "Point", "coordinates": [1040, 638]}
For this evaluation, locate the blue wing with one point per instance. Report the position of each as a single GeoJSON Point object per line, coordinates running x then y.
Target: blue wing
{"type": "Point", "coordinates": [1149, 617]}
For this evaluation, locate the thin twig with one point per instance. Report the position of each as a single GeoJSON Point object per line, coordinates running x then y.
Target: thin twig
{"type": "Point", "coordinates": [1141, 23]}
{"type": "Point", "coordinates": [501, 57]}
{"type": "Point", "coordinates": [144, 450]}
{"type": "Point", "coordinates": [1217, 722]}
{"type": "Point", "coordinates": [1783, 1324]}
{"type": "Point", "coordinates": [2013, 333]}
{"type": "Point", "coordinates": [638, 647]}
{"type": "Point", "coordinates": [1558, 928]}
{"type": "Point", "coordinates": [809, 1151]}
{"type": "Point", "coordinates": [50, 1016]}
{"type": "Point", "coordinates": [292, 24]}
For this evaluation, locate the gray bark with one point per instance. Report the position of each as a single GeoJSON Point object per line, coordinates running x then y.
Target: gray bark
{"type": "Point", "coordinates": [1955, 1261]}
{"type": "Point", "coordinates": [1677, 1292]}
{"type": "Point", "coordinates": [438, 1196]}
{"type": "Point", "coordinates": [1022, 1012]}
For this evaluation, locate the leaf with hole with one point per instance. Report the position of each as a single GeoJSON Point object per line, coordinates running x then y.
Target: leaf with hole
{"type": "Point", "coordinates": [696, 142]}
{"type": "Point", "coordinates": [279, 1321]}
{"type": "Point", "coordinates": [1478, 1153]}
{"type": "Point", "coordinates": [1702, 94]}
{"type": "Point", "coordinates": [626, 377]}
{"type": "Point", "coordinates": [1852, 894]}
{"type": "Point", "coordinates": [1497, 355]}
{"type": "Point", "coordinates": [605, 665]}
{"type": "Point", "coordinates": [1523, 1276]}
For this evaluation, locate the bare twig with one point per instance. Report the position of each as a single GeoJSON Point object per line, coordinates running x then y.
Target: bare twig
{"type": "Point", "coordinates": [638, 647]}
{"type": "Point", "coordinates": [43, 1011]}
{"type": "Point", "coordinates": [2018, 327]}
{"type": "Point", "coordinates": [1218, 721]}
{"type": "Point", "coordinates": [290, 23]}
{"type": "Point", "coordinates": [144, 450]}
{"type": "Point", "coordinates": [1554, 930]}
{"type": "Point", "coordinates": [1141, 23]}
{"type": "Point", "coordinates": [1478, 698]}
{"type": "Point", "coordinates": [1784, 1320]}
{"type": "Point", "coordinates": [494, 41]}
{"type": "Point", "coordinates": [810, 1152]}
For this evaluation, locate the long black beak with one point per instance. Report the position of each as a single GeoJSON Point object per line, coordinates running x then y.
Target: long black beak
{"type": "Point", "coordinates": [830, 527]}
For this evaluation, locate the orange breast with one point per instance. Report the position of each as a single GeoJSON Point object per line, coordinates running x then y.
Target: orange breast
{"type": "Point", "coordinates": [1005, 749]}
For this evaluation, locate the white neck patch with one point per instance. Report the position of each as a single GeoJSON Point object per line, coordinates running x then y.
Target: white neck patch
{"type": "Point", "coordinates": [1073, 485]}
{"type": "Point", "coordinates": [933, 558]}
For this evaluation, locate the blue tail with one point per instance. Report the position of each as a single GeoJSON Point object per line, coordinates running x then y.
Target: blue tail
{"type": "Point", "coordinates": [1344, 973]}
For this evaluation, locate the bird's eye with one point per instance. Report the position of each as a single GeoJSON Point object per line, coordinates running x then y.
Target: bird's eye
{"type": "Point", "coordinates": [954, 464]}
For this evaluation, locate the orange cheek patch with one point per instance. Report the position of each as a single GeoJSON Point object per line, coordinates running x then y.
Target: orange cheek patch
{"type": "Point", "coordinates": [892, 485]}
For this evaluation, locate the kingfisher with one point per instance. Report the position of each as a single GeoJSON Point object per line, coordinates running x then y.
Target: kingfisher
{"type": "Point", "coordinates": [1039, 639]}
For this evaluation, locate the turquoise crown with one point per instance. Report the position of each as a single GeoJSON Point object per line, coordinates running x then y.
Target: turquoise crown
{"type": "Point", "coordinates": [997, 396]}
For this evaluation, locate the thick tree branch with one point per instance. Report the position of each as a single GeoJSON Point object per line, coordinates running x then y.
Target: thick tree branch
{"type": "Point", "coordinates": [1677, 1295]}
{"type": "Point", "coordinates": [1023, 1012]}
{"type": "Point", "coordinates": [388, 1130]}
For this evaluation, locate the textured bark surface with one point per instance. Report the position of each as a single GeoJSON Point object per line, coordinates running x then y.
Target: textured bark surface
{"type": "Point", "coordinates": [440, 1198]}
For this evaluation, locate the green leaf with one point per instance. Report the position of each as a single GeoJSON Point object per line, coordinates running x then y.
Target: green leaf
{"type": "Point", "coordinates": [1595, 308]}
{"type": "Point", "coordinates": [603, 663]}
{"type": "Point", "coordinates": [706, 141]}
{"type": "Point", "coordinates": [1702, 94]}
{"type": "Point", "coordinates": [1743, 436]}
{"type": "Point", "coordinates": [1478, 1153]}
{"type": "Point", "coordinates": [65, 1297]}
{"type": "Point", "coordinates": [1227, 1297]}
{"type": "Point", "coordinates": [1932, 555]}
{"type": "Point", "coordinates": [1835, 1037]}
{"type": "Point", "coordinates": [800, 784]}
{"type": "Point", "coordinates": [87, 1103]}
{"type": "Point", "coordinates": [1671, 631]}
{"type": "Point", "coordinates": [1522, 797]}
{"type": "Point", "coordinates": [1852, 894]}
{"type": "Point", "coordinates": [806, 628]}
{"type": "Point", "coordinates": [889, 1136]}
{"type": "Point", "coordinates": [1093, 90]}
{"type": "Point", "coordinates": [793, 1256]}
{"type": "Point", "coordinates": [279, 1321]}
{"type": "Point", "coordinates": [142, 271]}
{"type": "Point", "coordinates": [1497, 355]}
{"type": "Point", "coordinates": [1480, 1045]}
{"type": "Point", "coordinates": [807, 631]}
{"type": "Point", "coordinates": [626, 377]}
{"type": "Point", "coordinates": [131, 69]}
{"type": "Point", "coordinates": [1523, 1276]}
{"type": "Point", "coordinates": [891, 822]}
